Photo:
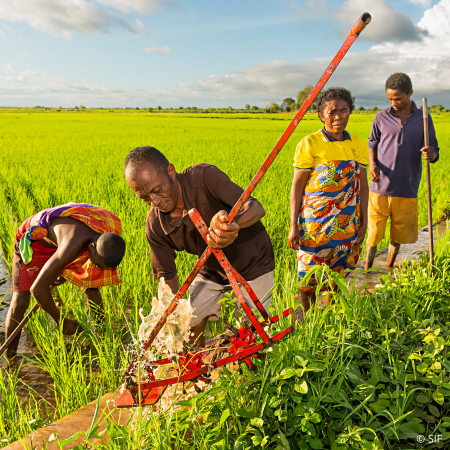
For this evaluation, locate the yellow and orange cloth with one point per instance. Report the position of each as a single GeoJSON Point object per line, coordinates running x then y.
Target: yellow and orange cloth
{"type": "Point", "coordinates": [30, 255]}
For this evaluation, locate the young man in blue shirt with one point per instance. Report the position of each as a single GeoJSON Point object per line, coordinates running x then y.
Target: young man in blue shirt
{"type": "Point", "coordinates": [396, 143]}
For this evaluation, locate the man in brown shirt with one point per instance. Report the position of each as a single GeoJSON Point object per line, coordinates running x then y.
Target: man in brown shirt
{"type": "Point", "coordinates": [169, 229]}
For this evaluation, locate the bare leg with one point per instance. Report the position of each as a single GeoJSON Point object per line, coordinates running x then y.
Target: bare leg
{"type": "Point", "coordinates": [197, 337]}
{"type": "Point", "coordinates": [95, 301]}
{"type": "Point", "coordinates": [370, 256]}
{"type": "Point", "coordinates": [19, 305]}
{"type": "Point", "coordinates": [392, 254]}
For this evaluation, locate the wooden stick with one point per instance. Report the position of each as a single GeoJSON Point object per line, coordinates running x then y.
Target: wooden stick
{"type": "Point", "coordinates": [430, 212]}
{"type": "Point", "coordinates": [18, 329]}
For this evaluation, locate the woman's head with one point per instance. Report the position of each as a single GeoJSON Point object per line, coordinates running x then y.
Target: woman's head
{"type": "Point", "coordinates": [334, 109]}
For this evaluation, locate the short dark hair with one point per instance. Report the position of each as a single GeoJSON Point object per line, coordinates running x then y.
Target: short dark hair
{"type": "Point", "coordinates": [111, 247]}
{"type": "Point", "coordinates": [148, 155]}
{"type": "Point", "coordinates": [399, 82]}
{"type": "Point", "coordinates": [331, 94]}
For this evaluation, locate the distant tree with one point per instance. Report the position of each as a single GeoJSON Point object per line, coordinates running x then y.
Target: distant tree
{"type": "Point", "coordinates": [267, 110]}
{"type": "Point", "coordinates": [302, 96]}
{"type": "Point", "coordinates": [137, 108]}
{"type": "Point", "coordinates": [274, 107]}
{"type": "Point", "coordinates": [180, 107]}
{"type": "Point", "coordinates": [437, 107]}
{"type": "Point", "coordinates": [361, 108]}
{"type": "Point", "coordinates": [247, 106]}
{"type": "Point", "coordinates": [150, 109]}
{"type": "Point", "coordinates": [194, 108]}
{"type": "Point", "coordinates": [76, 107]}
{"type": "Point", "coordinates": [159, 108]}
{"type": "Point", "coordinates": [230, 108]}
{"type": "Point", "coordinates": [82, 107]}
{"type": "Point", "coordinates": [287, 103]}
{"type": "Point", "coordinates": [255, 108]}
{"type": "Point", "coordinates": [374, 109]}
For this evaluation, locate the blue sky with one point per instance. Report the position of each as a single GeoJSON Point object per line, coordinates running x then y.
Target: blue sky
{"type": "Point", "coordinates": [173, 52]}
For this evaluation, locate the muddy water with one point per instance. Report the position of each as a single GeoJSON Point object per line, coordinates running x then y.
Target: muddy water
{"type": "Point", "coordinates": [30, 374]}
{"type": "Point", "coordinates": [408, 252]}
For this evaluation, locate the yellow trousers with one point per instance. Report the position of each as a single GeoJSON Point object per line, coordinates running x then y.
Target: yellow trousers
{"type": "Point", "coordinates": [404, 219]}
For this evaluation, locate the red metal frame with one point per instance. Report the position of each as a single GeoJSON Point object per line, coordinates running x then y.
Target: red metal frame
{"type": "Point", "coordinates": [243, 344]}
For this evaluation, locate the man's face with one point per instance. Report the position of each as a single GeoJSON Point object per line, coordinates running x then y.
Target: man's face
{"type": "Point", "coordinates": [95, 258]}
{"type": "Point", "coordinates": [398, 99]}
{"type": "Point", "coordinates": [157, 189]}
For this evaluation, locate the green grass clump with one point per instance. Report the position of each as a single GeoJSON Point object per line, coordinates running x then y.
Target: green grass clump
{"type": "Point", "coordinates": [53, 158]}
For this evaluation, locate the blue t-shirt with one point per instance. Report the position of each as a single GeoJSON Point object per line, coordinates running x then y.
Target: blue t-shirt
{"type": "Point", "coordinates": [398, 152]}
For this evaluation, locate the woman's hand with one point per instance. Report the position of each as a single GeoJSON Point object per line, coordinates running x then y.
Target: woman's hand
{"type": "Point", "coordinates": [361, 234]}
{"type": "Point", "coordinates": [294, 237]}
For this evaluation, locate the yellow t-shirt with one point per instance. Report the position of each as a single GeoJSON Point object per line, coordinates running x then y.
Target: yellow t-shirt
{"type": "Point", "coordinates": [320, 147]}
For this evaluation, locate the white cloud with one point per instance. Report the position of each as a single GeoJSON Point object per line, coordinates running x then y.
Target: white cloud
{"type": "Point", "coordinates": [141, 27]}
{"type": "Point", "coordinates": [9, 67]}
{"type": "Point", "coordinates": [163, 49]}
{"type": "Point", "coordinates": [32, 87]}
{"type": "Point", "coordinates": [388, 24]}
{"type": "Point", "coordinates": [310, 8]}
{"type": "Point", "coordinates": [23, 54]}
{"type": "Point", "coordinates": [63, 17]}
{"type": "Point", "coordinates": [139, 6]}
{"type": "Point", "coordinates": [421, 2]}
{"type": "Point", "coordinates": [427, 62]}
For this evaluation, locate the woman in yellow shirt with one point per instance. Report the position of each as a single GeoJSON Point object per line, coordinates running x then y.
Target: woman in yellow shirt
{"type": "Point", "coordinates": [329, 194]}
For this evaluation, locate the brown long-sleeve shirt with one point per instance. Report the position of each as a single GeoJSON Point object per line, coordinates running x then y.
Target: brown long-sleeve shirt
{"type": "Point", "coordinates": [209, 190]}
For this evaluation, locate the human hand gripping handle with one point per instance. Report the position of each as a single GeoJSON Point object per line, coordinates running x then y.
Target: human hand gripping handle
{"type": "Point", "coordinates": [222, 233]}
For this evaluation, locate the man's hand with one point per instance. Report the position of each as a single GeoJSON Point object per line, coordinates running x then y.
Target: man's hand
{"type": "Point", "coordinates": [222, 233]}
{"type": "Point", "coordinates": [374, 173]}
{"type": "Point", "coordinates": [70, 327]}
{"type": "Point", "coordinates": [428, 153]}
{"type": "Point", "coordinates": [294, 237]}
{"type": "Point", "coordinates": [361, 235]}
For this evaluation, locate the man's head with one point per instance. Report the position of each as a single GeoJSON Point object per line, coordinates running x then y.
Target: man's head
{"type": "Point", "coordinates": [152, 178]}
{"type": "Point", "coordinates": [399, 90]}
{"type": "Point", "coordinates": [334, 109]}
{"type": "Point", "coordinates": [107, 251]}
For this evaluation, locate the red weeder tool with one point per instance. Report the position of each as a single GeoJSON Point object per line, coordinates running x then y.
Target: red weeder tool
{"type": "Point", "coordinates": [241, 344]}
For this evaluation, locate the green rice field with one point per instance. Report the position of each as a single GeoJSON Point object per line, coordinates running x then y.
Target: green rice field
{"type": "Point", "coordinates": [370, 373]}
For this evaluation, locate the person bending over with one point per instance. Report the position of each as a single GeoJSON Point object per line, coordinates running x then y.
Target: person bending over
{"type": "Point", "coordinates": [169, 229]}
{"type": "Point", "coordinates": [396, 143]}
{"type": "Point", "coordinates": [329, 194]}
{"type": "Point", "coordinates": [76, 242]}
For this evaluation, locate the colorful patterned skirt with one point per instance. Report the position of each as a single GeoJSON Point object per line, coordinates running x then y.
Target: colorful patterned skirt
{"type": "Point", "coordinates": [329, 220]}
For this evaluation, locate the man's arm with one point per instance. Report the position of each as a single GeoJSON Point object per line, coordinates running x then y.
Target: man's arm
{"type": "Point", "coordinates": [297, 190]}
{"type": "Point", "coordinates": [174, 284]}
{"type": "Point", "coordinates": [374, 170]}
{"type": "Point", "coordinates": [374, 140]}
{"type": "Point", "coordinates": [67, 252]}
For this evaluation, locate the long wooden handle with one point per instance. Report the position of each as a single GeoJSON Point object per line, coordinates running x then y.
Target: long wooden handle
{"type": "Point", "coordinates": [18, 329]}
{"type": "Point", "coordinates": [426, 139]}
